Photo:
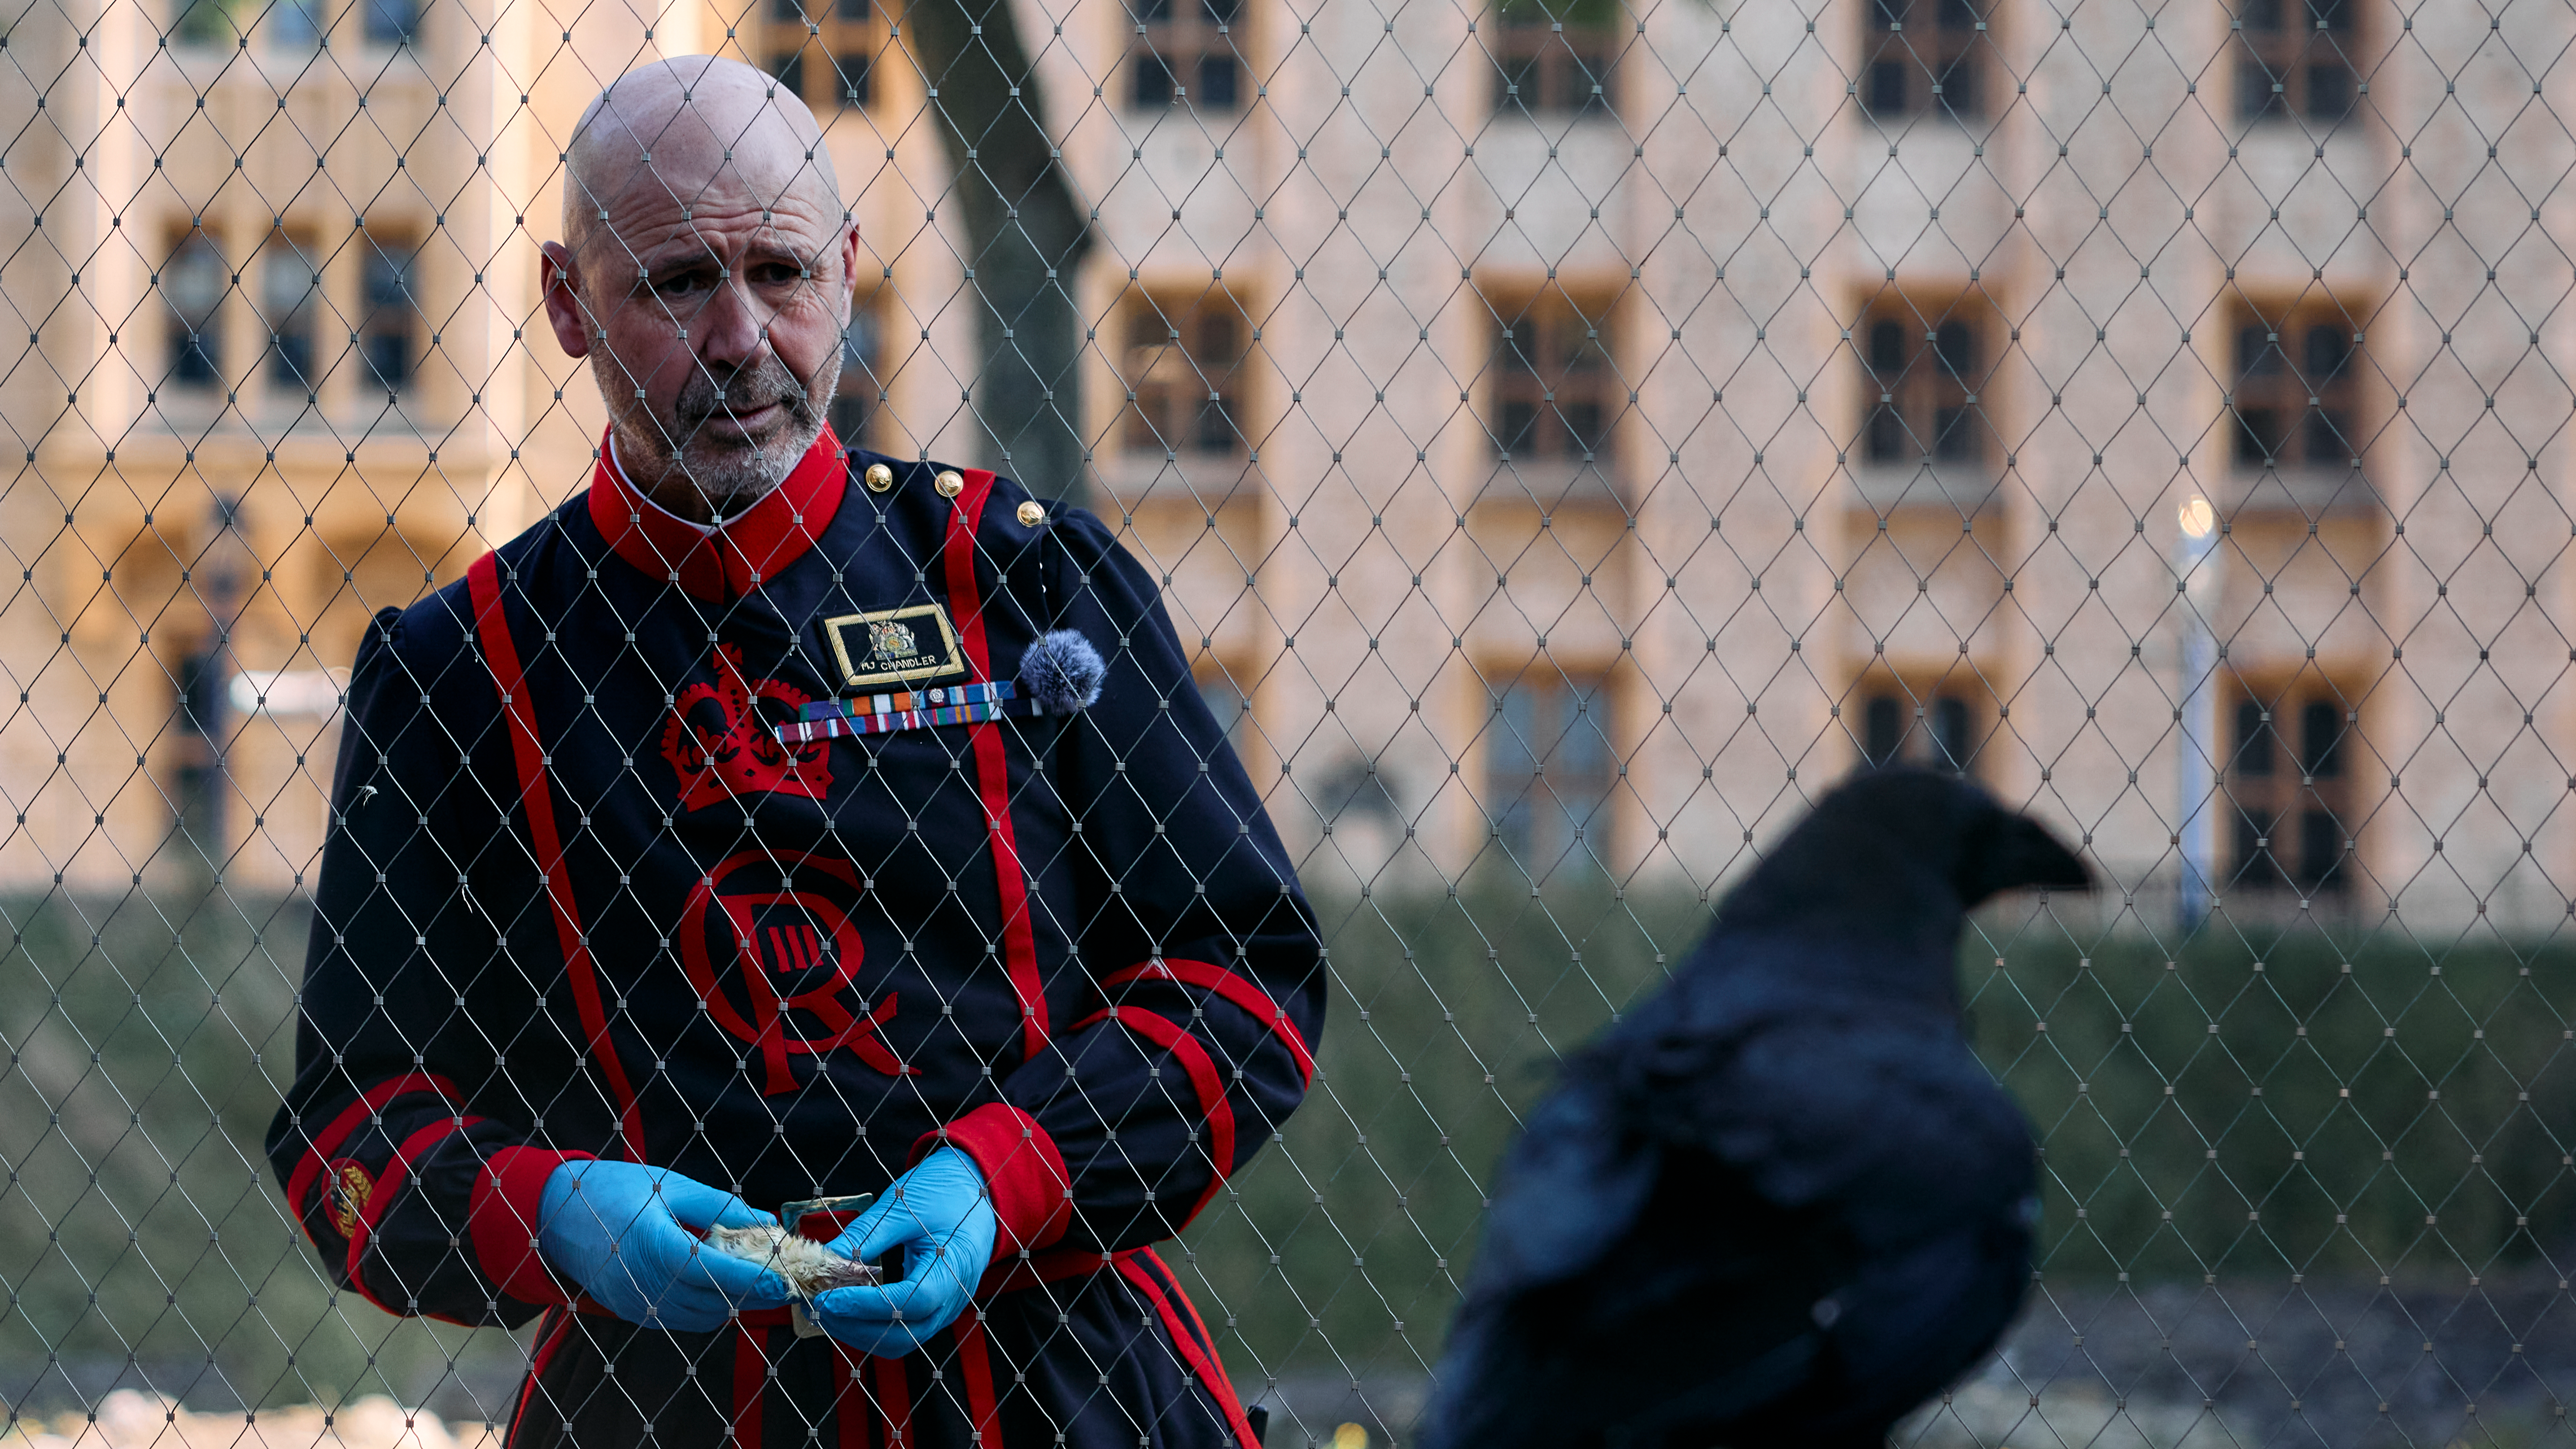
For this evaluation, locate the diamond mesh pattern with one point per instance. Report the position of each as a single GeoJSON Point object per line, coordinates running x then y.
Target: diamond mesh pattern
{"type": "Point", "coordinates": [1565, 437]}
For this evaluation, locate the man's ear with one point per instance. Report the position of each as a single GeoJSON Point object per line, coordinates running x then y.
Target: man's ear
{"type": "Point", "coordinates": [565, 312]}
{"type": "Point", "coordinates": [849, 270]}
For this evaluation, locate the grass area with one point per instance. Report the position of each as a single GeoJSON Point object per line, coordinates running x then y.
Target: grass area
{"type": "Point", "coordinates": [2335, 1102]}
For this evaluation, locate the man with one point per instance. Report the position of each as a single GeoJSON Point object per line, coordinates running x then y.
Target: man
{"type": "Point", "coordinates": [634, 916]}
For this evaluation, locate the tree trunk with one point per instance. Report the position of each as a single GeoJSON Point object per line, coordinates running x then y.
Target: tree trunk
{"type": "Point", "coordinates": [1025, 235]}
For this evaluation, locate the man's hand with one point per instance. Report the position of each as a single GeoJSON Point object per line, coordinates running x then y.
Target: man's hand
{"type": "Point", "coordinates": [942, 1218]}
{"type": "Point", "coordinates": [628, 1234]}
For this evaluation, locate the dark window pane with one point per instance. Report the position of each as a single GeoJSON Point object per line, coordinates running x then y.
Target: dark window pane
{"type": "Point", "coordinates": [1958, 15]}
{"type": "Point", "coordinates": [2328, 349]}
{"type": "Point", "coordinates": [1220, 342]}
{"type": "Point", "coordinates": [1958, 348]}
{"type": "Point", "coordinates": [1154, 12]}
{"type": "Point", "coordinates": [787, 10]}
{"type": "Point", "coordinates": [1959, 95]}
{"type": "Point", "coordinates": [2329, 91]}
{"type": "Point", "coordinates": [1217, 88]}
{"type": "Point", "coordinates": [193, 283]}
{"type": "Point", "coordinates": [1887, 14]}
{"type": "Point", "coordinates": [1952, 748]}
{"type": "Point", "coordinates": [853, 71]}
{"type": "Point", "coordinates": [2255, 355]}
{"type": "Point", "coordinates": [2258, 436]}
{"type": "Point", "coordinates": [851, 9]}
{"type": "Point", "coordinates": [2257, 92]}
{"type": "Point", "coordinates": [1886, 441]}
{"type": "Point", "coordinates": [2338, 15]}
{"type": "Point", "coordinates": [849, 416]}
{"type": "Point", "coordinates": [1882, 729]}
{"type": "Point", "coordinates": [1517, 85]}
{"type": "Point", "coordinates": [1587, 81]}
{"type": "Point", "coordinates": [2325, 443]}
{"type": "Point", "coordinates": [790, 70]}
{"type": "Point", "coordinates": [2253, 741]}
{"type": "Point", "coordinates": [2262, 15]}
{"type": "Point", "coordinates": [1152, 79]}
{"type": "Point", "coordinates": [1583, 427]}
{"type": "Point", "coordinates": [1215, 428]}
{"type": "Point", "coordinates": [1221, 12]}
{"type": "Point", "coordinates": [1519, 420]}
{"type": "Point", "coordinates": [1512, 354]}
{"type": "Point", "coordinates": [2321, 739]}
{"type": "Point", "coordinates": [295, 24]}
{"type": "Point", "coordinates": [1887, 349]}
{"type": "Point", "coordinates": [391, 22]}
{"type": "Point", "coordinates": [388, 362]}
{"type": "Point", "coordinates": [1887, 87]}
{"type": "Point", "coordinates": [2320, 849]}
{"type": "Point", "coordinates": [2255, 866]}
{"type": "Point", "coordinates": [203, 680]}
{"type": "Point", "coordinates": [1954, 436]}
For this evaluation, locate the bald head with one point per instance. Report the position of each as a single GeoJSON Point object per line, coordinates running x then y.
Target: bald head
{"type": "Point", "coordinates": [706, 272]}
{"type": "Point", "coordinates": [666, 131]}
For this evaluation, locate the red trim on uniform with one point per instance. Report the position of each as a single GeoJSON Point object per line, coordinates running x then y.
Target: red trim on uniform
{"type": "Point", "coordinates": [894, 1401]}
{"type": "Point", "coordinates": [1022, 1170]}
{"type": "Point", "coordinates": [733, 558]}
{"type": "Point", "coordinates": [389, 1179]}
{"type": "Point", "coordinates": [1211, 1375]}
{"type": "Point", "coordinates": [1163, 1032]}
{"type": "Point", "coordinates": [501, 655]}
{"type": "Point", "coordinates": [550, 1341]}
{"type": "Point", "coordinates": [1232, 987]}
{"type": "Point", "coordinates": [750, 1383]}
{"type": "Point", "coordinates": [849, 1400]}
{"type": "Point", "coordinates": [992, 771]}
{"type": "Point", "coordinates": [975, 1361]}
{"type": "Point", "coordinates": [503, 1217]}
{"type": "Point", "coordinates": [328, 1141]}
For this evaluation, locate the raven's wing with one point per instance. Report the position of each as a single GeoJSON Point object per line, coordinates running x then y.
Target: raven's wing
{"type": "Point", "coordinates": [1777, 1159]}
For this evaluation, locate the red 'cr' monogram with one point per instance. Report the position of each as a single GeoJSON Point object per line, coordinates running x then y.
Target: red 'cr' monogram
{"type": "Point", "coordinates": [783, 924]}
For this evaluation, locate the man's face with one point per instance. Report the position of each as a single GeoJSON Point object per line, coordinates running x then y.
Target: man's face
{"type": "Point", "coordinates": [711, 305]}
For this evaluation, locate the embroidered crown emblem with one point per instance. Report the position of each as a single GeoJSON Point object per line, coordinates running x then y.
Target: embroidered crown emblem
{"type": "Point", "coordinates": [891, 639]}
{"type": "Point", "coordinates": [722, 748]}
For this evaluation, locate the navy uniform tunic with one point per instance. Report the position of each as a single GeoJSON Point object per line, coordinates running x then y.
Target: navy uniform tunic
{"type": "Point", "coordinates": [581, 898]}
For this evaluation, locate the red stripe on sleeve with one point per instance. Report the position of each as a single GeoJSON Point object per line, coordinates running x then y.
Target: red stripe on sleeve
{"type": "Point", "coordinates": [501, 654]}
{"type": "Point", "coordinates": [1234, 988]}
{"type": "Point", "coordinates": [1163, 1032]}
{"type": "Point", "coordinates": [992, 770]}
{"type": "Point", "coordinates": [503, 1219]}
{"type": "Point", "coordinates": [976, 1361]}
{"type": "Point", "coordinates": [894, 1401]}
{"type": "Point", "coordinates": [750, 1383]}
{"type": "Point", "coordinates": [849, 1400]}
{"type": "Point", "coordinates": [329, 1139]}
{"type": "Point", "coordinates": [1022, 1170]}
{"type": "Point", "coordinates": [1210, 1376]}
{"type": "Point", "coordinates": [380, 1197]}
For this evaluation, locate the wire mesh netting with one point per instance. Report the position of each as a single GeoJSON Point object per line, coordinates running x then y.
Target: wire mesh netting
{"type": "Point", "coordinates": [1562, 437]}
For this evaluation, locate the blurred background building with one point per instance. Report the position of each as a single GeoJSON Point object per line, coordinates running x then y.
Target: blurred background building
{"type": "Point", "coordinates": [1570, 434]}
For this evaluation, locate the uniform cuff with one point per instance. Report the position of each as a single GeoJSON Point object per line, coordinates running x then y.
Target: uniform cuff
{"type": "Point", "coordinates": [1032, 1193]}
{"type": "Point", "coordinates": [505, 1215]}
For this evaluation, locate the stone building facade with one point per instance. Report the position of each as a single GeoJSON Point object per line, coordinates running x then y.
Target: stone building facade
{"type": "Point", "coordinates": [1572, 434]}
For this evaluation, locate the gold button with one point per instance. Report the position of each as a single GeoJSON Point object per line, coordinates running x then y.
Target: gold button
{"type": "Point", "coordinates": [880, 477]}
{"type": "Point", "coordinates": [1032, 513]}
{"type": "Point", "coordinates": [949, 484]}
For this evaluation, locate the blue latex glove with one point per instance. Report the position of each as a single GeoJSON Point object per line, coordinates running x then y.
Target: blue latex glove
{"type": "Point", "coordinates": [942, 1218]}
{"type": "Point", "coordinates": [628, 1234]}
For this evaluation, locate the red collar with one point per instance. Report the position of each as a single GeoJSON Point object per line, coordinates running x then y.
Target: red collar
{"type": "Point", "coordinates": [733, 558]}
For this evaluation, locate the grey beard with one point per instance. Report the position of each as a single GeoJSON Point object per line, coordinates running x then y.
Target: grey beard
{"type": "Point", "coordinates": [729, 479]}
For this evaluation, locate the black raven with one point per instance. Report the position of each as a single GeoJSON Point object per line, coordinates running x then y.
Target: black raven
{"type": "Point", "coordinates": [1779, 1202]}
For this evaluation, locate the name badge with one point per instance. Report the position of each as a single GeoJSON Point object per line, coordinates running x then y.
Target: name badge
{"type": "Point", "coordinates": [893, 645]}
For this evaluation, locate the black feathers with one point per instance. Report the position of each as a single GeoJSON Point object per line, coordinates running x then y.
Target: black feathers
{"type": "Point", "coordinates": [1780, 1202]}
